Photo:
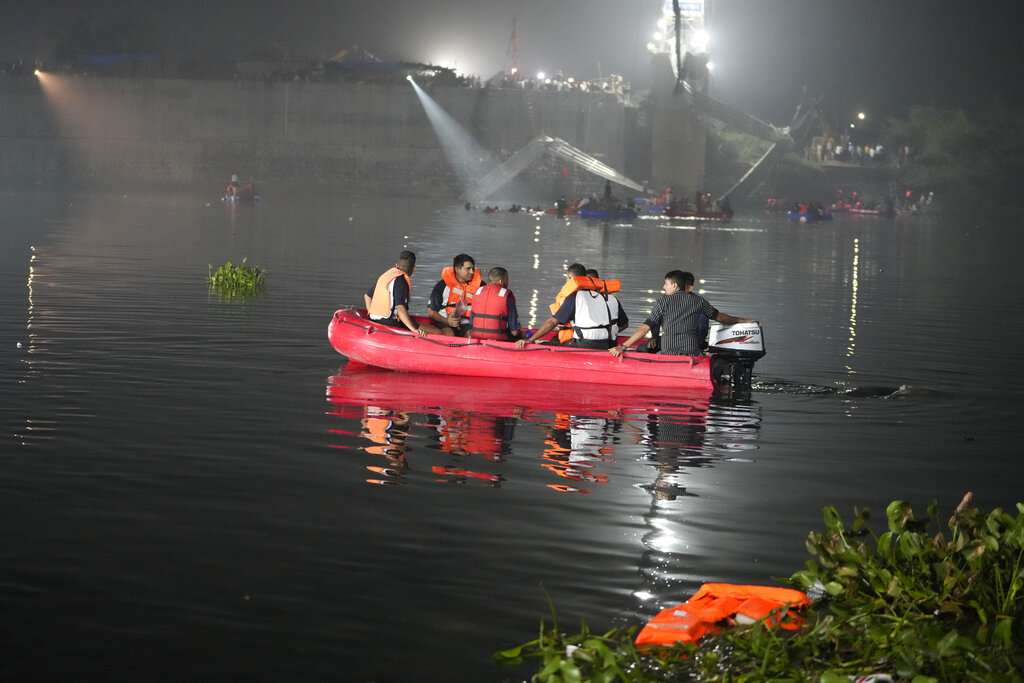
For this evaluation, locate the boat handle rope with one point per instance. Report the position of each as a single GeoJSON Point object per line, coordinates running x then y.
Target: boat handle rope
{"type": "Point", "coordinates": [535, 347]}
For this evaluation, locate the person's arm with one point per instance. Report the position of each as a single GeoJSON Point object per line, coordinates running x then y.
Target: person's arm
{"type": "Point", "coordinates": [513, 317]}
{"type": "Point", "coordinates": [727, 319]}
{"type": "Point", "coordinates": [640, 333]}
{"type": "Point", "coordinates": [548, 325]}
{"type": "Point", "coordinates": [402, 313]}
{"type": "Point", "coordinates": [436, 305]}
{"type": "Point", "coordinates": [565, 313]}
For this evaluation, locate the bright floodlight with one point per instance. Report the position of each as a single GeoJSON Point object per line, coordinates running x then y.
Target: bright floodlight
{"type": "Point", "coordinates": [37, 72]}
{"type": "Point", "coordinates": [860, 116]}
{"type": "Point", "coordinates": [700, 41]}
{"type": "Point", "coordinates": [853, 125]}
{"type": "Point", "coordinates": [540, 76]}
{"type": "Point", "coordinates": [408, 77]}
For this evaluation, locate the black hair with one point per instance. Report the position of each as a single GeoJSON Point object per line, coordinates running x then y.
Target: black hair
{"type": "Point", "coordinates": [406, 261]}
{"type": "Point", "coordinates": [681, 278]}
{"type": "Point", "coordinates": [462, 258]}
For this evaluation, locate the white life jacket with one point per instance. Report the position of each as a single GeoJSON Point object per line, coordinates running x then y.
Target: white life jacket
{"type": "Point", "coordinates": [595, 315]}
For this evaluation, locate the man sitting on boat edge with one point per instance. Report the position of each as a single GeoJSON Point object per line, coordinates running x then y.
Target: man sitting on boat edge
{"type": "Point", "coordinates": [677, 315]}
{"type": "Point", "coordinates": [593, 314]}
{"type": "Point", "coordinates": [494, 315]}
{"type": "Point", "coordinates": [387, 302]}
{"type": "Point", "coordinates": [452, 297]}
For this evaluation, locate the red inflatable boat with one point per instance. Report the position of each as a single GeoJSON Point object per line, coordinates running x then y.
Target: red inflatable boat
{"type": "Point", "coordinates": [734, 350]}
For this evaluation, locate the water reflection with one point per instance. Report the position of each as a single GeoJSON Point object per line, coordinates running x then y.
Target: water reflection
{"type": "Point", "coordinates": [582, 428]}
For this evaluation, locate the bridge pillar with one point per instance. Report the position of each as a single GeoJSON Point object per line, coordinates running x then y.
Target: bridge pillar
{"type": "Point", "coordinates": [678, 137]}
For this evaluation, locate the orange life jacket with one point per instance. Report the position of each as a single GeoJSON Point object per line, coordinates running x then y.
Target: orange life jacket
{"type": "Point", "coordinates": [381, 305]}
{"type": "Point", "coordinates": [707, 611]}
{"type": "Point", "coordinates": [490, 313]}
{"type": "Point", "coordinates": [565, 332]}
{"type": "Point", "coordinates": [458, 291]}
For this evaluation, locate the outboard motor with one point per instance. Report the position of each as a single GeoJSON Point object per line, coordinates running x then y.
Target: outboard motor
{"type": "Point", "coordinates": [734, 349]}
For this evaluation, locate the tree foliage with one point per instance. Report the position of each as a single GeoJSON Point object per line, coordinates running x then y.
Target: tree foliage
{"type": "Point", "coordinates": [963, 158]}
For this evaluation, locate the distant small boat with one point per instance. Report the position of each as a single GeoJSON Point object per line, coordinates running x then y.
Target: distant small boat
{"type": "Point", "coordinates": [809, 217]}
{"type": "Point", "coordinates": [607, 214]}
{"type": "Point", "coordinates": [694, 214]}
{"type": "Point", "coordinates": [242, 199]}
{"type": "Point", "coordinates": [871, 212]}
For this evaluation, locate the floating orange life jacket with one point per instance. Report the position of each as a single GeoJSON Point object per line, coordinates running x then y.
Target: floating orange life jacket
{"type": "Point", "coordinates": [381, 305]}
{"type": "Point", "coordinates": [490, 313]}
{"type": "Point", "coordinates": [565, 332]}
{"type": "Point", "coordinates": [458, 291]}
{"type": "Point", "coordinates": [715, 603]}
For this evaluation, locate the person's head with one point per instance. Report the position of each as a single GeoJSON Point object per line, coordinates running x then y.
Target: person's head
{"type": "Point", "coordinates": [406, 262]}
{"type": "Point", "coordinates": [677, 281]}
{"type": "Point", "coordinates": [463, 265]}
{"type": "Point", "coordinates": [498, 276]}
{"type": "Point", "coordinates": [592, 273]}
{"type": "Point", "coordinates": [575, 270]}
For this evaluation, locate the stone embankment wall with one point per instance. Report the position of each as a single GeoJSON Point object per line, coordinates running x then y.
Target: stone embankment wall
{"type": "Point", "coordinates": [355, 137]}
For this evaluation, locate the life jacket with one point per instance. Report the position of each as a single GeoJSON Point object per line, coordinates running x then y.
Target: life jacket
{"type": "Point", "coordinates": [381, 305]}
{"type": "Point", "coordinates": [595, 319]}
{"type": "Point", "coordinates": [565, 332]}
{"type": "Point", "coordinates": [459, 292]}
{"type": "Point", "coordinates": [716, 603]}
{"type": "Point", "coordinates": [490, 313]}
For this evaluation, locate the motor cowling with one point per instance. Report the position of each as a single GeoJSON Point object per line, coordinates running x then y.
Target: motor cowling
{"type": "Point", "coordinates": [734, 349]}
{"type": "Point", "coordinates": [742, 340]}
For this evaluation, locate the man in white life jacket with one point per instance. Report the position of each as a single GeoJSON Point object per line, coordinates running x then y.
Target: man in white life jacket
{"type": "Point", "coordinates": [596, 318]}
{"type": "Point", "coordinates": [387, 302]}
{"type": "Point", "coordinates": [451, 300]}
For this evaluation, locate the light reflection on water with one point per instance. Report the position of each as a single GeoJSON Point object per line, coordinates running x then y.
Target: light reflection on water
{"type": "Point", "coordinates": [176, 476]}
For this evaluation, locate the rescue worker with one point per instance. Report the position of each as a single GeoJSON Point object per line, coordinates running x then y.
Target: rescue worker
{"type": "Point", "coordinates": [452, 297]}
{"type": "Point", "coordinates": [494, 314]}
{"type": "Point", "coordinates": [594, 316]}
{"type": "Point", "coordinates": [231, 191]}
{"type": "Point", "coordinates": [573, 271]}
{"type": "Point", "coordinates": [387, 302]}
{"type": "Point", "coordinates": [677, 316]}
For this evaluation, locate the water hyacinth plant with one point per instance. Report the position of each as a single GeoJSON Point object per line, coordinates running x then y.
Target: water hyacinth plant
{"type": "Point", "coordinates": [236, 280]}
{"type": "Point", "coordinates": [917, 603]}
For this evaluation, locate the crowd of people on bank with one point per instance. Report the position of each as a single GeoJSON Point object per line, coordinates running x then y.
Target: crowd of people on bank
{"type": "Point", "coordinates": [585, 313]}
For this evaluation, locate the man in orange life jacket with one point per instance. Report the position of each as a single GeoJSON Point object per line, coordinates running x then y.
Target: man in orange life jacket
{"type": "Point", "coordinates": [452, 297]}
{"type": "Point", "coordinates": [387, 302]}
{"type": "Point", "coordinates": [494, 314]}
{"type": "Point", "coordinates": [593, 316]}
{"type": "Point", "coordinates": [565, 333]}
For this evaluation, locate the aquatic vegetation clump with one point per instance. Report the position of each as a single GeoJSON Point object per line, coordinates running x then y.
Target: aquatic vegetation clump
{"type": "Point", "coordinates": [236, 280]}
{"type": "Point", "coordinates": [917, 603]}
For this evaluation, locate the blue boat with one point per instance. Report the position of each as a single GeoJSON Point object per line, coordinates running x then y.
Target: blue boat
{"type": "Point", "coordinates": [810, 216]}
{"type": "Point", "coordinates": [607, 214]}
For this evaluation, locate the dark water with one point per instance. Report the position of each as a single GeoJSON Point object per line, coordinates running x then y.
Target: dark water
{"type": "Point", "coordinates": [194, 488]}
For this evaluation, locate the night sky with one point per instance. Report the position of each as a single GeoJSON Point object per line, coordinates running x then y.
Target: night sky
{"type": "Point", "coordinates": [877, 56]}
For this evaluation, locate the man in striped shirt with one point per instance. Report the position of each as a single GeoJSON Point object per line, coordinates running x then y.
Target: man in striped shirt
{"type": "Point", "coordinates": [677, 316]}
